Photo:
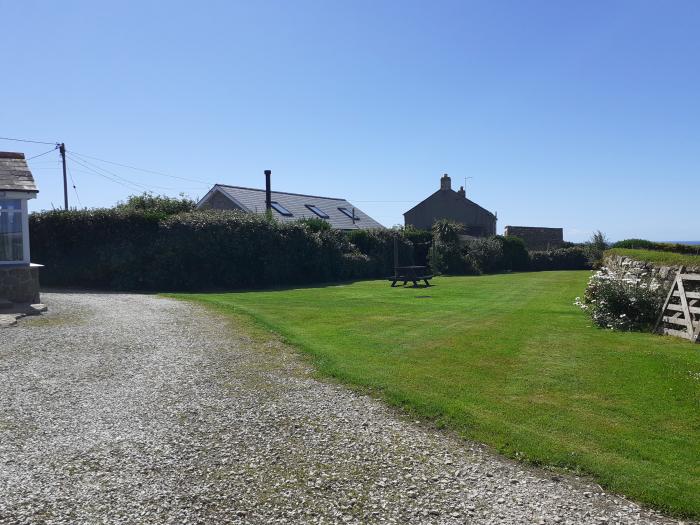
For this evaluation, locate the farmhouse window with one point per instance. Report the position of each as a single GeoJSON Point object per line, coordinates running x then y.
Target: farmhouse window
{"type": "Point", "coordinates": [14, 242]}
{"type": "Point", "coordinates": [317, 211]}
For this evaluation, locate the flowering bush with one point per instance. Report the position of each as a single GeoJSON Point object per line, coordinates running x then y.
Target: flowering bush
{"type": "Point", "coordinates": [629, 303]}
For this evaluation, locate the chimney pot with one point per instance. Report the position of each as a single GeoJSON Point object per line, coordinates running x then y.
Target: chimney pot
{"type": "Point", "coordinates": [461, 192]}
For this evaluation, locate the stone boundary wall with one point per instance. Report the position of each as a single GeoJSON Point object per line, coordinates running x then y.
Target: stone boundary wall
{"type": "Point", "coordinates": [537, 238]}
{"type": "Point", "coordinates": [625, 267]}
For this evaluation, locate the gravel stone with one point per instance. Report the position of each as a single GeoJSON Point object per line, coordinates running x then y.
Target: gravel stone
{"type": "Point", "coordinates": [119, 408]}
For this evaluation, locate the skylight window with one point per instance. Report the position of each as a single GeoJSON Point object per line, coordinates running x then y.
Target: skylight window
{"type": "Point", "coordinates": [349, 213]}
{"type": "Point", "coordinates": [281, 209]}
{"type": "Point", "coordinates": [317, 211]}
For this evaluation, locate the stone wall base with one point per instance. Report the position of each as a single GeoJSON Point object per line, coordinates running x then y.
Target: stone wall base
{"type": "Point", "coordinates": [626, 268]}
{"type": "Point", "coordinates": [19, 284]}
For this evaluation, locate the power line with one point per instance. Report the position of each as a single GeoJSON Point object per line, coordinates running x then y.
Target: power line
{"type": "Point", "coordinates": [91, 170]}
{"type": "Point", "coordinates": [74, 188]}
{"type": "Point", "coordinates": [104, 170]}
{"type": "Point", "coordinates": [27, 140]}
{"type": "Point", "coordinates": [42, 154]}
{"type": "Point", "coordinates": [141, 169]}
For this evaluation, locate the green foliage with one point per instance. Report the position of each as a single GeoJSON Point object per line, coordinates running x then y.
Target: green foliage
{"type": "Point", "coordinates": [629, 304]}
{"type": "Point", "coordinates": [133, 248]}
{"type": "Point", "coordinates": [446, 231]}
{"type": "Point", "coordinates": [446, 256]}
{"type": "Point", "coordinates": [576, 258]}
{"type": "Point", "coordinates": [378, 245]}
{"type": "Point", "coordinates": [595, 247]}
{"type": "Point", "coordinates": [315, 224]}
{"type": "Point", "coordinates": [484, 255]}
{"type": "Point", "coordinates": [642, 244]}
{"type": "Point", "coordinates": [422, 241]}
{"type": "Point", "coordinates": [159, 205]}
{"type": "Point", "coordinates": [495, 254]}
{"type": "Point", "coordinates": [508, 360]}
{"type": "Point", "coordinates": [515, 256]}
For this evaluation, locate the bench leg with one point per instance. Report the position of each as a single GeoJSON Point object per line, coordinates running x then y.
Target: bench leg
{"type": "Point", "coordinates": [393, 283]}
{"type": "Point", "coordinates": [405, 282]}
{"type": "Point", "coordinates": [415, 284]}
{"type": "Point", "coordinates": [426, 282]}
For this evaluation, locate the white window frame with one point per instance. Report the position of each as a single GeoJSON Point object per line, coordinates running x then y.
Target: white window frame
{"type": "Point", "coordinates": [25, 232]}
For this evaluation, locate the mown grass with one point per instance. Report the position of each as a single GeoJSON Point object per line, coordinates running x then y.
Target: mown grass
{"type": "Point", "coordinates": [659, 257]}
{"type": "Point", "coordinates": [508, 360]}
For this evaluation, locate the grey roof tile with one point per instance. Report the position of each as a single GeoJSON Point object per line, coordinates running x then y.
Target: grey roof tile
{"type": "Point", "coordinates": [15, 174]}
{"type": "Point", "coordinates": [253, 200]}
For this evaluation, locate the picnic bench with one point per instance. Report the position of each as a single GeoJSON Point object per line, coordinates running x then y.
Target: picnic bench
{"type": "Point", "coordinates": [412, 274]}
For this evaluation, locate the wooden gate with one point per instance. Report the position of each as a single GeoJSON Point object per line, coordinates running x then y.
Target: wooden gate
{"type": "Point", "coordinates": [680, 315]}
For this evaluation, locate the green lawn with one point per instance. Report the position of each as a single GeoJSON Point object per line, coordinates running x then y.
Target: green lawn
{"type": "Point", "coordinates": [508, 360]}
{"type": "Point", "coordinates": [659, 257]}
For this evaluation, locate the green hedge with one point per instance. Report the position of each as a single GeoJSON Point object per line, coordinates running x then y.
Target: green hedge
{"type": "Point", "coordinates": [139, 249]}
{"type": "Point", "coordinates": [643, 244]}
{"type": "Point", "coordinates": [494, 254]}
{"type": "Point", "coordinates": [576, 258]}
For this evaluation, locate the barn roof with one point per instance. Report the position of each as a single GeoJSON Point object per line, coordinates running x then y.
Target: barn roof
{"type": "Point", "coordinates": [298, 205]}
{"type": "Point", "coordinates": [15, 174]}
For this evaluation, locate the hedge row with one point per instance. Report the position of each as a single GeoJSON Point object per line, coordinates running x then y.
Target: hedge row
{"type": "Point", "coordinates": [643, 244]}
{"type": "Point", "coordinates": [126, 249]}
{"type": "Point", "coordinates": [451, 255]}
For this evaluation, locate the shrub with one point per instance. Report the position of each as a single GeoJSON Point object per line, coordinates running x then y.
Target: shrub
{"type": "Point", "coordinates": [622, 304]}
{"type": "Point", "coordinates": [515, 255]}
{"type": "Point", "coordinates": [315, 224]}
{"type": "Point", "coordinates": [446, 253]}
{"type": "Point", "coordinates": [161, 205]}
{"type": "Point", "coordinates": [595, 247]}
{"type": "Point", "coordinates": [484, 255]}
{"type": "Point", "coordinates": [379, 246]}
{"type": "Point", "coordinates": [422, 241]}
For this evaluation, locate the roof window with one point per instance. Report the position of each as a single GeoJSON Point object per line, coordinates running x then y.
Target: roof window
{"type": "Point", "coordinates": [280, 209]}
{"type": "Point", "coordinates": [317, 211]}
{"type": "Point", "coordinates": [350, 214]}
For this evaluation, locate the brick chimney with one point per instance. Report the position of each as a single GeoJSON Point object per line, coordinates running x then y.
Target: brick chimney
{"type": "Point", "coordinates": [461, 192]}
{"type": "Point", "coordinates": [445, 182]}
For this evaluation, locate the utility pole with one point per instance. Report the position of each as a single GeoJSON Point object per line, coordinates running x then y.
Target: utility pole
{"type": "Point", "coordinates": [62, 149]}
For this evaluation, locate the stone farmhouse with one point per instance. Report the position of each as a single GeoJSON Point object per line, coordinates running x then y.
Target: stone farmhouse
{"type": "Point", "coordinates": [288, 207]}
{"type": "Point", "coordinates": [453, 205]}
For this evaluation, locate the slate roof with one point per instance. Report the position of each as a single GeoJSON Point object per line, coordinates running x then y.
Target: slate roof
{"type": "Point", "coordinates": [15, 174]}
{"type": "Point", "coordinates": [253, 200]}
{"type": "Point", "coordinates": [463, 201]}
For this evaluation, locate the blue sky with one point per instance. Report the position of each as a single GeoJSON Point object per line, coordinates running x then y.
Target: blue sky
{"type": "Point", "coordinates": [584, 115]}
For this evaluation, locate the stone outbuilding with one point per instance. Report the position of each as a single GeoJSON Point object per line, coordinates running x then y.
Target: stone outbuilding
{"type": "Point", "coordinates": [19, 279]}
{"type": "Point", "coordinates": [452, 205]}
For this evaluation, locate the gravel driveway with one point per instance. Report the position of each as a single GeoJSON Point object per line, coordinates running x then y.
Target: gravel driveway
{"type": "Point", "coordinates": [120, 408]}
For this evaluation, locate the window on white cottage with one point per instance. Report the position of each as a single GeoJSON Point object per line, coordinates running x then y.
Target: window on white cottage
{"type": "Point", "coordinates": [11, 234]}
